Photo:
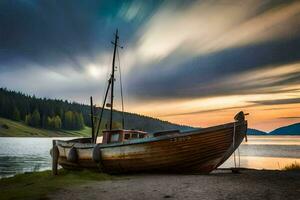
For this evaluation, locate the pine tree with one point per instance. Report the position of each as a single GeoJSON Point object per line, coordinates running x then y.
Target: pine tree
{"type": "Point", "coordinates": [49, 123]}
{"type": "Point", "coordinates": [81, 120]}
{"type": "Point", "coordinates": [44, 121]}
{"type": "Point", "coordinates": [28, 119]}
{"type": "Point", "coordinates": [78, 121]}
{"type": "Point", "coordinates": [68, 120]}
{"type": "Point", "coordinates": [16, 114]}
{"type": "Point", "coordinates": [35, 118]}
{"type": "Point", "coordinates": [57, 122]}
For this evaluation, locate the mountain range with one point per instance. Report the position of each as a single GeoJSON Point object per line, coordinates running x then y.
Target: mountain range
{"type": "Point", "coordinates": [293, 129]}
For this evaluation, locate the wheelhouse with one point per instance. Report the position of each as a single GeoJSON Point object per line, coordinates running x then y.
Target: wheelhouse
{"type": "Point", "coordinates": [115, 136]}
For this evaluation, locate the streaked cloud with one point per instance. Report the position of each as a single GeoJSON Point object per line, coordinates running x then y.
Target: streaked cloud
{"type": "Point", "coordinates": [182, 59]}
{"type": "Point", "coordinates": [208, 26]}
{"type": "Point", "coordinates": [278, 101]}
{"type": "Point", "coordinates": [289, 117]}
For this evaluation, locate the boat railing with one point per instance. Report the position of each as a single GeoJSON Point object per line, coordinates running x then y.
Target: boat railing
{"type": "Point", "coordinates": [168, 132]}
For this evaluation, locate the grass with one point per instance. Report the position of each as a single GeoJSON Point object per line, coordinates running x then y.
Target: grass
{"type": "Point", "coordinates": [37, 185]}
{"type": "Point", "coordinates": [292, 167]}
{"type": "Point", "coordinates": [9, 128]}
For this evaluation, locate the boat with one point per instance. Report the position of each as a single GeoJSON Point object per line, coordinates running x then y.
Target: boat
{"type": "Point", "coordinates": [132, 151]}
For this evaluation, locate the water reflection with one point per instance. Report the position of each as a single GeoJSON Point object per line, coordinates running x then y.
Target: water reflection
{"type": "Point", "coordinates": [273, 140]}
{"type": "Point", "coordinates": [257, 162]}
{"type": "Point", "coordinates": [19, 155]}
{"type": "Point", "coordinates": [267, 152]}
{"type": "Point", "coordinates": [10, 165]}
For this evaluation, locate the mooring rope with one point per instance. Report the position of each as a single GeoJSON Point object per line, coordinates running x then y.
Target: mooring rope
{"type": "Point", "coordinates": [239, 157]}
{"type": "Point", "coordinates": [233, 142]}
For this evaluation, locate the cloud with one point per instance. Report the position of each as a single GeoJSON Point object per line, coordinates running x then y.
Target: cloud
{"type": "Point", "coordinates": [204, 27]}
{"type": "Point", "coordinates": [278, 101]}
{"type": "Point", "coordinates": [213, 44]}
{"type": "Point", "coordinates": [208, 110]}
{"type": "Point", "coordinates": [57, 33]}
{"type": "Point", "coordinates": [63, 49]}
{"type": "Point", "coordinates": [173, 49]}
{"type": "Point", "coordinates": [45, 82]}
{"type": "Point", "coordinates": [234, 71]}
{"type": "Point", "coordinates": [289, 117]}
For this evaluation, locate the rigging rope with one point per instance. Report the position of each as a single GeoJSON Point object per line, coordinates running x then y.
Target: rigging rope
{"type": "Point", "coordinates": [121, 89]}
{"type": "Point", "coordinates": [98, 120]}
{"type": "Point", "coordinates": [98, 126]}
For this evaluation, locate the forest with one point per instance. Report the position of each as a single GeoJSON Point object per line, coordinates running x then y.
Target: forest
{"type": "Point", "coordinates": [62, 114]}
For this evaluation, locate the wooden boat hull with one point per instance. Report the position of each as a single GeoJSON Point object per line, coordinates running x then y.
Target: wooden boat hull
{"type": "Point", "coordinates": [199, 151]}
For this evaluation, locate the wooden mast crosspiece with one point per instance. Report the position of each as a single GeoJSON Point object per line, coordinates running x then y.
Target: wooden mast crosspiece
{"type": "Point", "coordinates": [124, 151]}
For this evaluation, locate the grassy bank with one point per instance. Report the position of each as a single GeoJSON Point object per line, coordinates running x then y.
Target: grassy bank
{"type": "Point", "coordinates": [37, 185]}
{"type": "Point", "coordinates": [292, 167]}
{"type": "Point", "coordinates": [9, 128]}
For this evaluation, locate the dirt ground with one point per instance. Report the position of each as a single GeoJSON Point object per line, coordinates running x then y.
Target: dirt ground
{"type": "Point", "coordinates": [221, 184]}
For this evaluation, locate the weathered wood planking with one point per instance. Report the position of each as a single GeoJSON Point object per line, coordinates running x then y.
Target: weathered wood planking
{"type": "Point", "coordinates": [195, 151]}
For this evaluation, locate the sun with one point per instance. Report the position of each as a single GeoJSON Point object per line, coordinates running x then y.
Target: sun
{"type": "Point", "coordinates": [95, 71]}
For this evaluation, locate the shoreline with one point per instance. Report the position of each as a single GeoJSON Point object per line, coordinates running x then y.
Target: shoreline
{"type": "Point", "coordinates": [224, 169]}
{"type": "Point", "coordinates": [221, 183]}
{"type": "Point", "coordinates": [248, 184]}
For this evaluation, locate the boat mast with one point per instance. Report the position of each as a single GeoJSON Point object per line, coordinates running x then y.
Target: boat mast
{"type": "Point", "coordinates": [110, 84]}
{"type": "Point", "coordinates": [112, 79]}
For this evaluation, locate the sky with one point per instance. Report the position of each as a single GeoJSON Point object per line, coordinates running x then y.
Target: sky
{"type": "Point", "coordinates": [189, 62]}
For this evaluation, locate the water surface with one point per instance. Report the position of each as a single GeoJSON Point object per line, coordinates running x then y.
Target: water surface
{"type": "Point", "coordinates": [266, 152]}
{"type": "Point", "coordinates": [24, 154]}
{"type": "Point", "coordinates": [19, 155]}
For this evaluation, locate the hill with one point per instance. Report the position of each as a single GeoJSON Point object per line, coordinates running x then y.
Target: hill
{"type": "Point", "coordinates": [293, 129]}
{"type": "Point", "coordinates": [54, 114]}
{"type": "Point", "coordinates": [9, 128]}
{"type": "Point", "coordinates": [251, 131]}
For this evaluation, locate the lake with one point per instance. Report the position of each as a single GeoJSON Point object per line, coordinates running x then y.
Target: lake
{"type": "Point", "coordinates": [19, 155]}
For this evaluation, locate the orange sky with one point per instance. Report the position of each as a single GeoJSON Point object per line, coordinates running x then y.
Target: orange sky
{"type": "Point", "coordinates": [266, 118]}
{"type": "Point", "coordinates": [267, 111]}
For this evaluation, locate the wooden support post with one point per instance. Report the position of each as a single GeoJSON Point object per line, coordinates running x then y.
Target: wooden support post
{"type": "Point", "coordinates": [55, 155]}
{"type": "Point", "coordinates": [92, 121]}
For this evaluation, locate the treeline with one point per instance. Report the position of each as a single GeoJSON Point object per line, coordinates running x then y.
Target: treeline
{"type": "Point", "coordinates": [37, 112]}
{"type": "Point", "coordinates": [71, 120]}
{"type": "Point", "coordinates": [59, 114]}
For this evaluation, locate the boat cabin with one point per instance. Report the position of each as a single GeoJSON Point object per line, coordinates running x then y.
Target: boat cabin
{"type": "Point", "coordinates": [115, 136]}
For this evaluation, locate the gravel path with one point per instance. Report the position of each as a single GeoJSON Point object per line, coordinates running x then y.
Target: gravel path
{"type": "Point", "coordinates": [249, 184]}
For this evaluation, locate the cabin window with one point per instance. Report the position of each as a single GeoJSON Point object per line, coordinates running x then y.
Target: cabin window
{"type": "Point", "coordinates": [134, 135]}
{"type": "Point", "coordinates": [115, 137]}
{"type": "Point", "coordinates": [141, 135]}
{"type": "Point", "coordinates": [127, 136]}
